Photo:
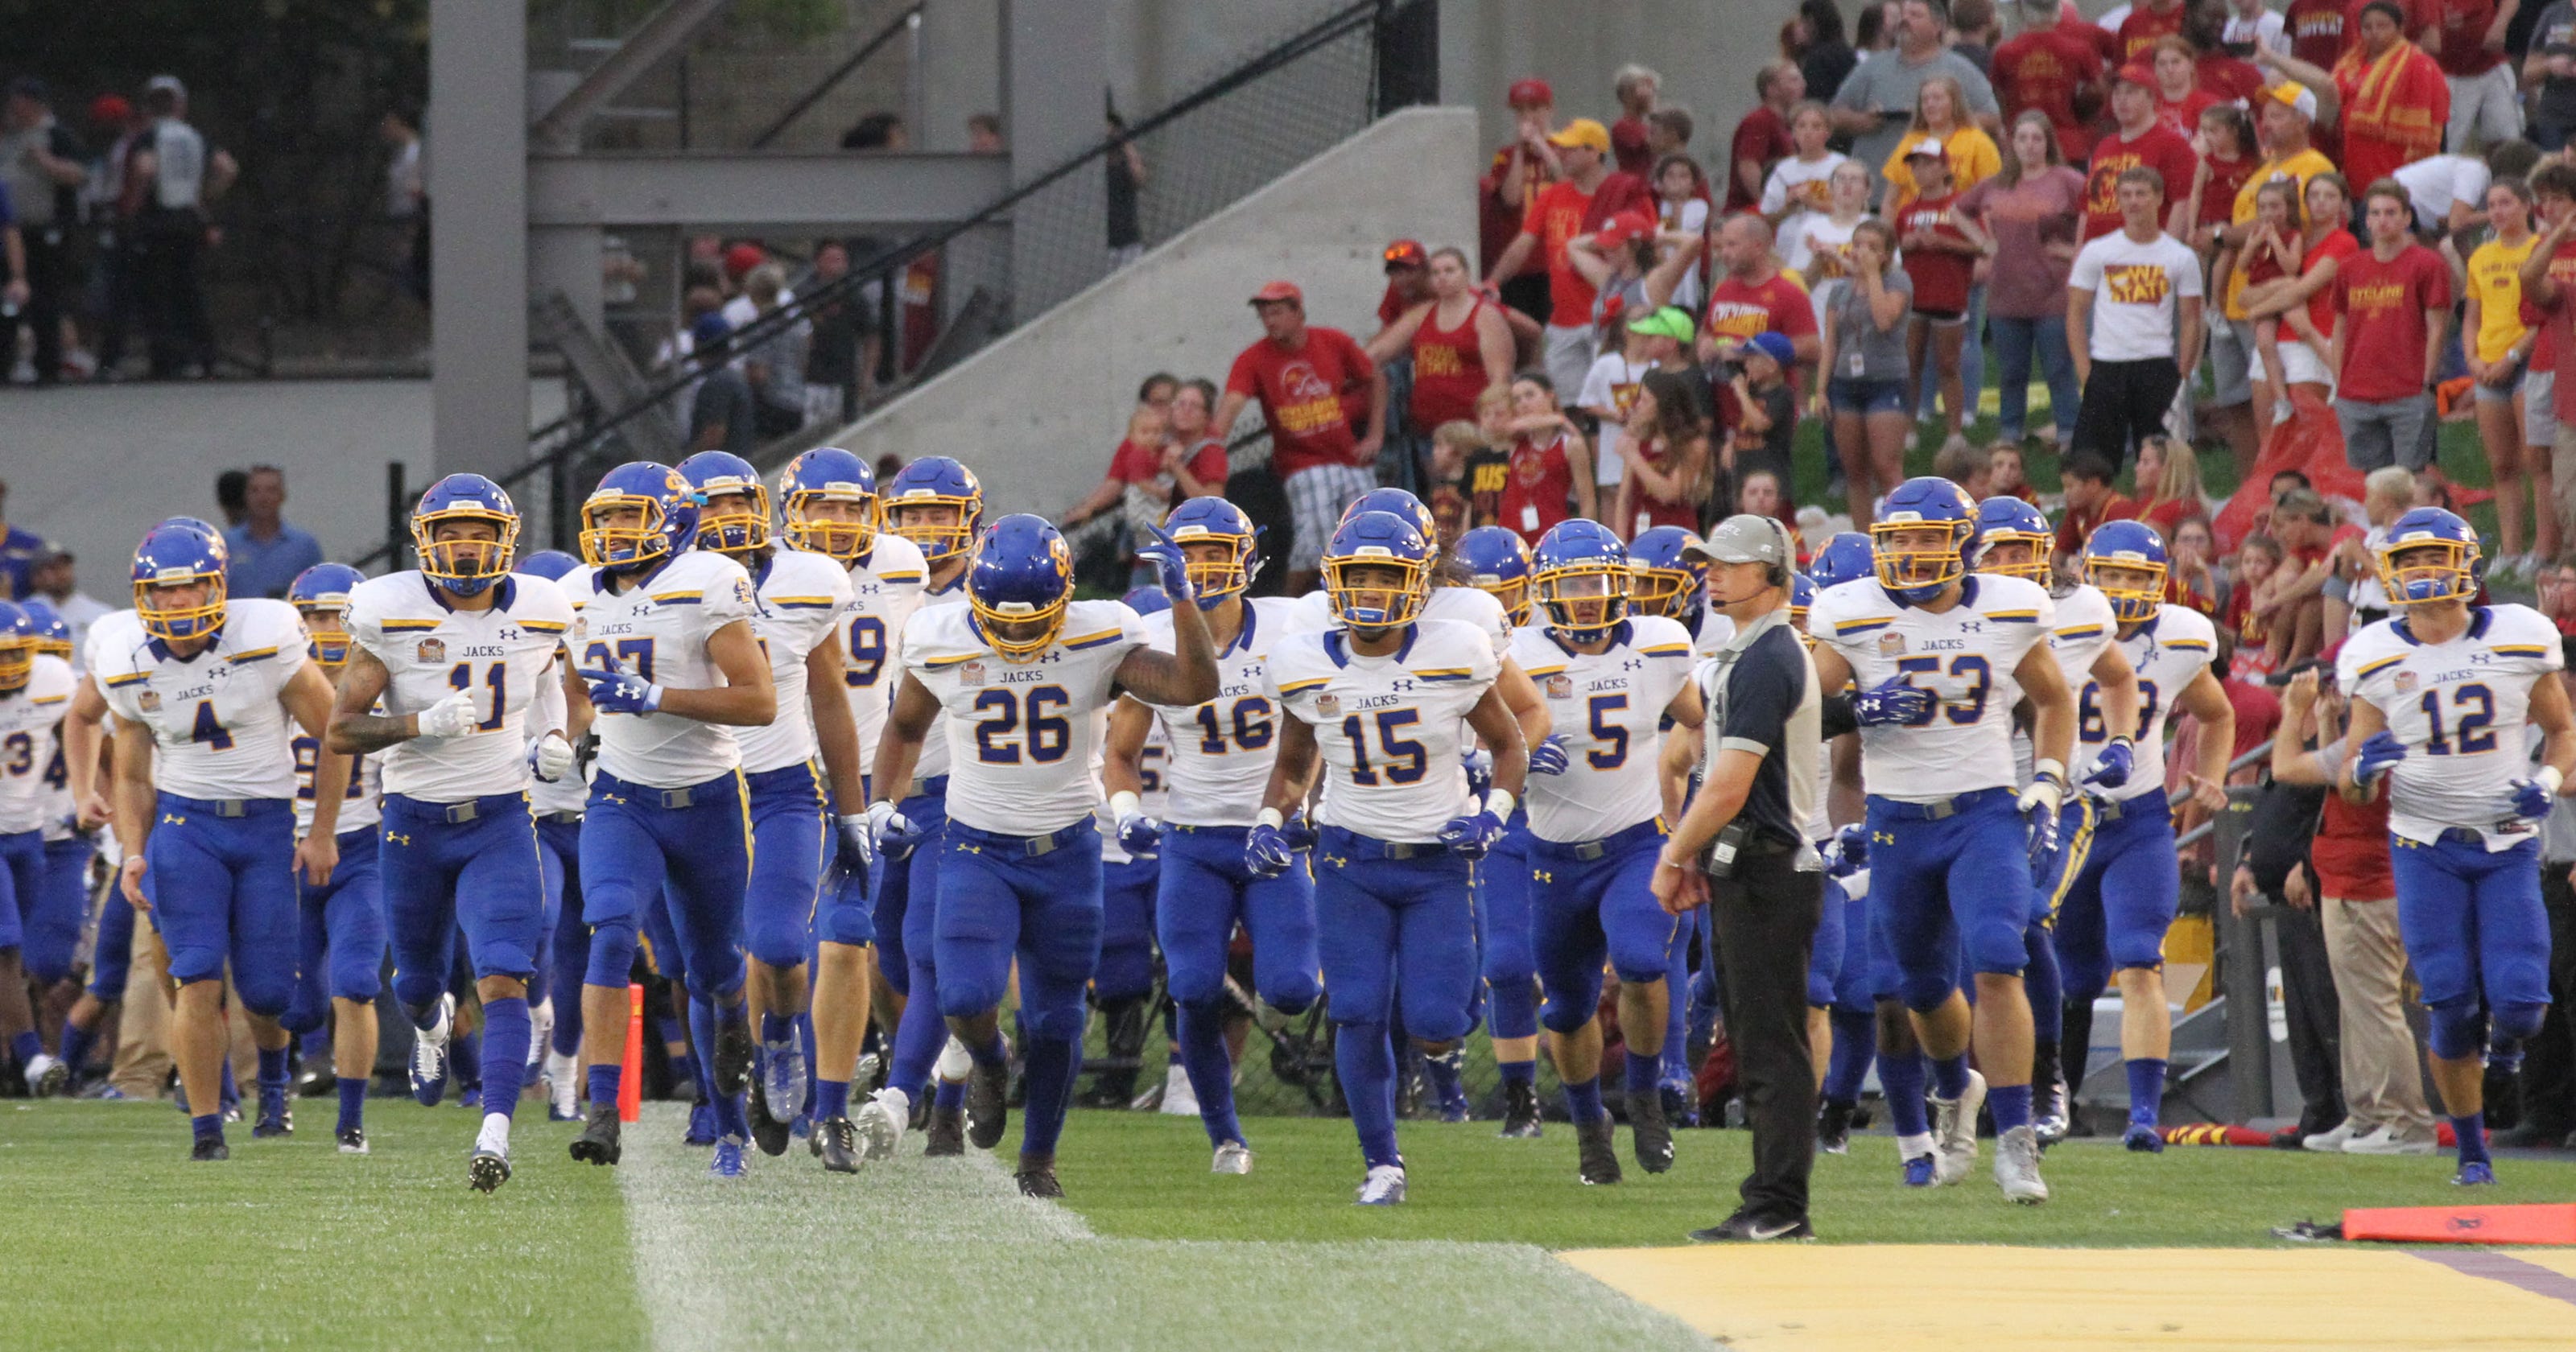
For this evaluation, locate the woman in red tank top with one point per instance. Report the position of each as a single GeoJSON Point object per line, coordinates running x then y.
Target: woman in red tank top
{"type": "Point", "coordinates": [1460, 343]}
{"type": "Point", "coordinates": [1550, 475]}
{"type": "Point", "coordinates": [1666, 482]}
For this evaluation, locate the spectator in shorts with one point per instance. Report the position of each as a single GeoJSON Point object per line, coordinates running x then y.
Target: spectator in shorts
{"type": "Point", "coordinates": [2392, 306]}
{"type": "Point", "coordinates": [1865, 369]}
{"type": "Point", "coordinates": [2497, 345]}
{"type": "Point", "coordinates": [1313, 383]}
{"type": "Point", "coordinates": [1938, 246]}
{"type": "Point", "coordinates": [2133, 315]}
{"type": "Point", "coordinates": [1578, 204]}
{"type": "Point", "coordinates": [2547, 276]}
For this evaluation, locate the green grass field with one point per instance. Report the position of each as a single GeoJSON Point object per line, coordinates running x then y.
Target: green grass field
{"type": "Point", "coordinates": [120, 1242]}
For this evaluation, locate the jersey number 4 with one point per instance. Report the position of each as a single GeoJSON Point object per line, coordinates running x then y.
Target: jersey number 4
{"type": "Point", "coordinates": [1402, 758]}
{"type": "Point", "coordinates": [1006, 720]}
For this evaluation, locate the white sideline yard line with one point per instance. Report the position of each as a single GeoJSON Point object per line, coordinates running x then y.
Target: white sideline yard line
{"type": "Point", "coordinates": [790, 1256]}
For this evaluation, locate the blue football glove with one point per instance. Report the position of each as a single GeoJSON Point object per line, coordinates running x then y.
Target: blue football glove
{"type": "Point", "coordinates": [1171, 567]}
{"type": "Point", "coordinates": [1891, 701]}
{"type": "Point", "coordinates": [1847, 851]}
{"type": "Point", "coordinates": [1299, 833]}
{"type": "Point", "coordinates": [1480, 773]}
{"type": "Point", "coordinates": [1472, 834]}
{"type": "Point", "coordinates": [621, 692]}
{"type": "Point", "coordinates": [2379, 752]}
{"type": "Point", "coordinates": [1139, 835]}
{"type": "Point", "coordinates": [2038, 805]}
{"type": "Point", "coordinates": [1548, 757]}
{"type": "Point", "coordinates": [858, 843]}
{"type": "Point", "coordinates": [1267, 852]}
{"type": "Point", "coordinates": [2531, 798]}
{"type": "Point", "coordinates": [894, 833]}
{"type": "Point", "coordinates": [2112, 764]}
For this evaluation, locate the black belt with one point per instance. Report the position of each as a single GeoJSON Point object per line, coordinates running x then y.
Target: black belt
{"type": "Point", "coordinates": [568, 817]}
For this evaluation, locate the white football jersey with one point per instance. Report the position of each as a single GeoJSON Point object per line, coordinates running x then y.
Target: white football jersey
{"type": "Point", "coordinates": [1392, 728]}
{"type": "Point", "coordinates": [1609, 707]}
{"type": "Point", "coordinates": [502, 657]}
{"type": "Point", "coordinates": [1468, 605]}
{"type": "Point", "coordinates": [1222, 751]}
{"type": "Point", "coordinates": [572, 792]}
{"type": "Point", "coordinates": [2085, 626]}
{"type": "Point", "coordinates": [885, 588]}
{"type": "Point", "coordinates": [2459, 707]}
{"type": "Point", "coordinates": [1965, 656]}
{"type": "Point", "coordinates": [215, 717]}
{"type": "Point", "coordinates": [1022, 741]}
{"type": "Point", "coordinates": [359, 807]}
{"type": "Point", "coordinates": [797, 602]}
{"type": "Point", "coordinates": [934, 759]}
{"type": "Point", "coordinates": [30, 722]}
{"type": "Point", "coordinates": [2168, 652]}
{"type": "Point", "coordinates": [659, 629]}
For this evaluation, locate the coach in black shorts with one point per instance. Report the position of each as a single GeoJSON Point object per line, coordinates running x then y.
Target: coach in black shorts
{"type": "Point", "coordinates": [1741, 849]}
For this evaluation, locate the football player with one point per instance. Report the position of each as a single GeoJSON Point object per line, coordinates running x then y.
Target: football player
{"type": "Point", "coordinates": [1131, 871]}
{"type": "Point", "coordinates": [53, 924]}
{"type": "Point", "coordinates": [670, 666]}
{"type": "Point", "coordinates": [2121, 898]}
{"type": "Point", "coordinates": [1498, 564]}
{"type": "Point", "coordinates": [454, 654]}
{"type": "Point", "coordinates": [1595, 818]}
{"type": "Point", "coordinates": [2442, 696]}
{"type": "Point", "coordinates": [35, 692]}
{"type": "Point", "coordinates": [1941, 657]}
{"type": "Point", "coordinates": [1864, 1012]}
{"type": "Point", "coordinates": [1667, 580]}
{"type": "Point", "coordinates": [1221, 753]}
{"type": "Point", "coordinates": [342, 921]}
{"type": "Point", "coordinates": [1020, 672]}
{"type": "Point", "coordinates": [204, 792]}
{"type": "Point", "coordinates": [559, 803]}
{"type": "Point", "coordinates": [1387, 698]}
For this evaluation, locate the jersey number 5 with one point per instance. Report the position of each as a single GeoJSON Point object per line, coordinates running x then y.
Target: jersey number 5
{"type": "Point", "coordinates": [1001, 728]}
{"type": "Point", "coordinates": [1405, 759]}
{"type": "Point", "coordinates": [1969, 706]}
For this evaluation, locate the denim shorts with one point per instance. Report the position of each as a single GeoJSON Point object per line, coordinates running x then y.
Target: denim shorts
{"type": "Point", "coordinates": [1862, 395]}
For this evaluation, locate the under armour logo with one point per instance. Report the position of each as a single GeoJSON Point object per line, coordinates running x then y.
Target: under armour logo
{"type": "Point", "coordinates": [1632, 664]}
{"type": "Point", "coordinates": [1881, 838]}
{"type": "Point", "coordinates": [1399, 685]}
{"type": "Point", "coordinates": [509, 635]}
{"type": "Point", "coordinates": [397, 839]}
{"type": "Point", "coordinates": [1252, 672]}
{"type": "Point", "coordinates": [1543, 875]}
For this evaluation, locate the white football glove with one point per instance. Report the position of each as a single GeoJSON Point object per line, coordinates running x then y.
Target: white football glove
{"type": "Point", "coordinates": [551, 758]}
{"type": "Point", "coordinates": [450, 717]}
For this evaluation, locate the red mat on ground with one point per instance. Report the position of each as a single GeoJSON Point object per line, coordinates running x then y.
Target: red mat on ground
{"type": "Point", "coordinates": [2544, 1223]}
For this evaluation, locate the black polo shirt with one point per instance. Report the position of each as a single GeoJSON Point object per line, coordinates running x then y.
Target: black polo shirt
{"type": "Point", "coordinates": [1762, 697]}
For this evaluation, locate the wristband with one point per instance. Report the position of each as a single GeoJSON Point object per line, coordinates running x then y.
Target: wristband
{"type": "Point", "coordinates": [1271, 817]}
{"type": "Point", "coordinates": [1123, 804]}
{"type": "Point", "coordinates": [2049, 767]}
{"type": "Point", "coordinates": [1500, 802]}
{"type": "Point", "coordinates": [2550, 779]}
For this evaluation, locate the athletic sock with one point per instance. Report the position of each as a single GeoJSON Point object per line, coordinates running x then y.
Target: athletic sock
{"type": "Point", "coordinates": [604, 1082]}
{"type": "Point", "coordinates": [1210, 1070]}
{"type": "Point", "coordinates": [1447, 1073]}
{"type": "Point", "coordinates": [1583, 1101]}
{"type": "Point", "coordinates": [1949, 1076]}
{"type": "Point", "coordinates": [1638, 1072]}
{"type": "Point", "coordinates": [2043, 1068]}
{"type": "Point", "coordinates": [2146, 1089]}
{"type": "Point", "coordinates": [2011, 1105]}
{"type": "Point", "coordinates": [1048, 1064]}
{"type": "Point", "coordinates": [315, 1047]}
{"type": "Point", "coordinates": [76, 1044]}
{"type": "Point", "coordinates": [1518, 1072]}
{"type": "Point", "coordinates": [831, 1098]}
{"type": "Point", "coordinates": [1902, 1079]}
{"type": "Point", "coordinates": [2044, 984]}
{"type": "Point", "coordinates": [776, 1027]}
{"type": "Point", "coordinates": [951, 1094]}
{"type": "Point", "coordinates": [207, 1125]}
{"type": "Point", "coordinates": [272, 1068]}
{"type": "Point", "coordinates": [731, 1120]}
{"type": "Point", "coordinates": [1854, 1042]}
{"type": "Point", "coordinates": [2471, 1128]}
{"type": "Point", "coordinates": [1366, 1063]}
{"type": "Point", "coordinates": [565, 1038]}
{"type": "Point", "coordinates": [26, 1046]}
{"type": "Point", "coordinates": [353, 1103]}
{"type": "Point", "coordinates": [465, 1060]}
{"type": "Point", "coordinates": [507, 1032]}
{"type": "Point", "coordinates": [805, 1043]}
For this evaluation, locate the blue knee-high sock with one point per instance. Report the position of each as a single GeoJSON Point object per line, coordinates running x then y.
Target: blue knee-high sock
{"type": "Point", "coordinates": [2044, 984]}
{"type": "Point", "coordinates": [1211, 1070]}
{"type": "Point", "coordinates": [805, 1044]}
{"type": "Point", "coordinates": [353, 1102]}
{"type": "Point", "coordinates": [1518, 1072]}
{"type": "Point", "coordinates": [1049, 1064]}
{"type": "Point", "coordinates": [1447, 1073]}
{"type": "Point", "coordinates": [1511, 1009]}
{"type": "Point", "coordinates": [1365, 1061]}
{"type": "Point", "coordinates": [1639, 1073]}
{"type": "Point", "coordinates": [831, 1098]}
{"type": "Point", "coordinates": [465, 1060]}
{"type": "Point", "coordinates": [26, 1046]}
{"type": "Point", "coordinates": [2146, 1089]}
{"type": "Point", "coordinates": [315, 1045]}
{"type": "Point", "coordinates": [565, 1040]}
{"type": "Point", "coordinates": [76, 1045]}
{"type": "Point", "coordinates": [1583, 1101]}
{"type": "Point", "coordinates": [1902, 1078]}
{"type": "Point", "coordinates": [920, 1035]}
{"type": "Point", "coordinates": [776, 1027]}
{"type": "Point", "coordinates": [684, 1066]}
{"type": "Point", "coordinates": [2471, 1128]}
{"type": "Point", "coordinates": [951, 1095]}
{"type": "Point", "coordinates": [1674, 1058]}
{"type": "Point", "coordinates": [507, 1030]}
{"type": "Point", "coordinates": [205, 1125]}
{"type": "Point", "coordinates": [605, 1082]}
{"type": "Point", "coordinates": [231, 1089]}
{"type": "Point", "coordinates": [272, 1069]}
{"type": "Point", "coordinates": [1855, 1041]}
{"type": "Point", "coordinates": [2011, 1105]}
{"type": "Point", "coordinates": [730, 1118]}
{"type": "Point", "coordinates": [1949, 1076]}
{"type": "Point", "coordinates": [990, 1052]}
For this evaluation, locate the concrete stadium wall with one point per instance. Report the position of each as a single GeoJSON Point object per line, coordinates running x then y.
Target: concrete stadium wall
{"type": "Point", "coordinates": [1038, 413]}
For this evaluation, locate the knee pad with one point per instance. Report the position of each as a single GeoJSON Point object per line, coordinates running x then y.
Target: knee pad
{"type": "Point", "coordinates": [612, 953]}
{"type": "Point", "coordinates": [1053, 1025]}
{"type": "Point", "coordinates": [1564, 1016]}
{"type": "Point", "coordinates": [963, 997]}
{"type": "Point", "coordinates": [299, 1020]}
{"type": "Point", "coordinates": [2458, 1029]}
{"type": "Point", "coordinates": [2518, 1023]}
{"type": "Point", "coordinates": [1438, 1025]}
{"type": "Point", "coordinates": [1925, 992]}
{"type": "Point", "coordinates": [1293, 996]}
{"type": "Point", "coordinates": [417, 991]}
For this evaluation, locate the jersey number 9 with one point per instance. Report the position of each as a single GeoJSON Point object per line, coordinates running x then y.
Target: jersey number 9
{"type": "Point", "coordinates": [867, 653]}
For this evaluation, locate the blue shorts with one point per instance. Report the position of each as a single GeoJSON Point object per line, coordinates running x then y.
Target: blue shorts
{"type": "Point", "coordinates": [1845, 394]}
{"type": "Point", "coordinates": [790, 837]}
{"type": "Point", "coordinates": [638, 842]}
{"type": "Point", "coordinates": [2472, 921]}
{"type": "Point", "coordinates": [903, 930]}
{"type": "Point", "coordinates": [1948, 888]}
{"type": "Point", "coordinates": [53, 925]}
{"type": "Point", "coordinates": [22, 883]}
{"type": "Point", "coordinates": [1383, 922]}
{"type": "Point", "coordinates": [1126, 968]}
{"type": "Point", "coordinates": [2122, 892]}
{"type": "Point", "coordinates": [1590, 902]}
{"type": "Point", "coordinates": [998, 899]}
{"type": "Point", "coordinates": [442, 876]}
{"type": "Point", "coordinates": [341, 939]}
{"type": "Point", "coordinates": [1204, 891]}
{"type": "Point", "coordinates": [223, 890]}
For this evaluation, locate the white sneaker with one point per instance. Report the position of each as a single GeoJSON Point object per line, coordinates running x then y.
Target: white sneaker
{"type": "Point", "coordinates": [429, 1055]}
{"type": "Point", "coordinates": [2330, 1142]}
{"type": "Point", "coordinates": [2017, 1166]}
{"type": "Point", "coordinates": [1384, 1186]}
{"type": "Point", "coordinates": [46, 1075]}
{"type": "Point", "coordinates": [880, 1121]}
{"type": "Point", "coordinates": [1233, 1157]}
{"type": "Point", "coordinates": [2386, 1141]}
{"type": "Point", "coordinates": [1179, 1099]}
{"type": "Point", "coordinates": [563, 1077]}
{"type": "Point", "coordinates": [1954, 1131]}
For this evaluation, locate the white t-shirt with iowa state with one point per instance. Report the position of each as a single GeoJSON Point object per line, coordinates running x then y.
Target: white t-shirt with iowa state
{"type": "Point", "coordinates": [2135, 289]}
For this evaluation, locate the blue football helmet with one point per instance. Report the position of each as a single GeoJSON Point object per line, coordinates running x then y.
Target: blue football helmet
{"type": "Point", "coordinates": [1918, 542]}
{"type": "Point", "coordinates": [668, 525]}
{"type": "Point", "coordinates": [1802, 598]}
{"type": "Point", "coordinates": [1498, 564]}
{"type": "Point", "coordinates": [1581, 563]}
{"type": "Point", "coordinates": [1664, 581]}
{"type": "Point", "coordinates": [1377, 541]}
{"type": "Point", "coordinates": [934, 481]}
{"type": "Point", "coordinates": [1148, 600]}
{"type": "Point", "coordinates": [550, 564]}
{"type": "Point", "coordinates": [321, 595]}
{"type": "Point", "coordinates": [1202, 521]}
{"type": "Point", "coordinates": [53, 632]}
{"type": "Point", "coordinates": [19, 643]}
{"type": "Point", "coordinates": [1844, 558]}
{"type": "Point", "coordinates": [2134, 551]}
{"type": "Point", "coordinates": [1398, 501]}
{"type": "Point", "coordinates": [2456, 571]}
{"type": "Point", "coordinates": [737, 527]}
{"type": "Point", "coordinates": [464, 566]}
{"type": "Point", "coordinates": [2005, 520]}
{"type": "Point", "coordinates": [179, 556]}
{"type": "Point", "coordinates": [830, 474]}
{"type": "Point", "coordinates": [1019, 583]}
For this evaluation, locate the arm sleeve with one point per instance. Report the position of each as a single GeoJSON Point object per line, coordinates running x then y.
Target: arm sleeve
{"type": "Point", "coordinates": [1761, 692]}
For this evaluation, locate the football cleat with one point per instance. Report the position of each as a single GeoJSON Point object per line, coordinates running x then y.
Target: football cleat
{"type": "Point", "coordinates": [429, 1055]}
{"type": "Point", "coordinates": [1447, 1074]}
{"type": "Point", "coordinates": [946, 1134]}
{"type": "Point", "coordinates": [731, 1068]}
{"type": "Point", "coordinates": [1233, 1157]}
{"type": "Point", "coordinates": [879, 1123]}
{"type": "Point", "coordinates": [728, 1161]}
{"type": "Point", "coordinates": [2051, 1122]}
{"type": "Point", "coordinates": [1520, 1112]}
{"type": "Point", "coordinates": [314, 1081]}
{"type": "Point", "coordinates": [1180, 1097]}
{"type": "Point", "coordinates": [46, 1075]}
{"type": "Point", "coordinates": [1744, 1228]}
{"type": "Point", "coordinates": [598, 1143]}
{"type": "Point", "coordinates": [2472, 1174]}
{"type": "Point", "coordinates": [2142, 1139]}
{"type": "Point", "coordinates": [1920, 1171]}
{"type": "Point", "coordinates": [987, 1112]}
{"type": "Point", "coordinates": [1833, 1128]}
{"type": "Point", "coordinates": [274, 1119]}
{"type": "Point", "coordinates": [1954, 1131]}
{"type": "Point", "coordinates": [209, 1148]}
{"type": "Point", "coordinates": [488, 1170]}
{"type": "Point", "coordinates": [767, 1132]}
{"type": "Point", "coordinates": [1384, 1186]}
{"type": "Point", "coordinates": [2017, 1166]}
{"type": "Point", "coordinates": [837, 1141]}
{"type": "Point", "coordinates": [1654, 1135]}
{"type": "Point", "coordinates": [782, 1066]}
{"type": "Point", "coordinates": [1597, 1153]}
{"type": "Point", "coordinates": [353, 1140]}
{"type": "Point", "coordinates": [1037, 1179]}
{"type": "Point", "coordinates": [702, 1124]}
{"type": "Point", "coordinates": [563, 1088]}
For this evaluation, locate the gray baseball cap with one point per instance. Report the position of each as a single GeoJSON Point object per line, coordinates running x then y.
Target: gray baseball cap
{"type": "Point", "coordinates": [1746, 537]}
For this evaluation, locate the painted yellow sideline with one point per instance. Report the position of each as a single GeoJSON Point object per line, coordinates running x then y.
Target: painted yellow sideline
{"type": "Point", "coordinates": [1893, 1298]}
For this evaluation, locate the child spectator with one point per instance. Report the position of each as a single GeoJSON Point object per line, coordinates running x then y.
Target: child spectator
{"type": "Point", "coordinates": [2240, 624]}
{"type": "Point", "coordinates": [1668, 475]}
{"type": "Point", "coordinates": [2558, 596]}
{"type": "Point", "coordinates": [2090, 501]}
{"type": "Point", "coordinates": [1137, 484]}
{"type": "Point", "coordinates": [2189, 580]}
{"type": "Point", "coordinates": [2004, 476]}
{"type": "Point", "coordinates": [2274, 251]}
{"type": "Point", "coordinates": [1938, 246]}
{"type": "Point", "coordinates": [1767, 409]}
{"type": "Point", "coordinates": [1551, 469]}
{"type": "Point", "coordinates": [2292, 603]}
{"type": "Point", "coordinates": [1489, 461]}
{"type": "Point", "coordinates": [1455, 447]}
{"type": "Point", "coordinates": [2353, 595]}
{"type": "Point", "coordinates": [1970, 467]}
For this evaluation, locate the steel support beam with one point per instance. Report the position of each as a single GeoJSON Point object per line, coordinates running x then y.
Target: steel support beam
{"type": "Point", "coordinates": [478, 97]}
{"type": "Point", "coordinates": [663, 32]}
{"type": "Point", "coordinates": [740, 191]}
